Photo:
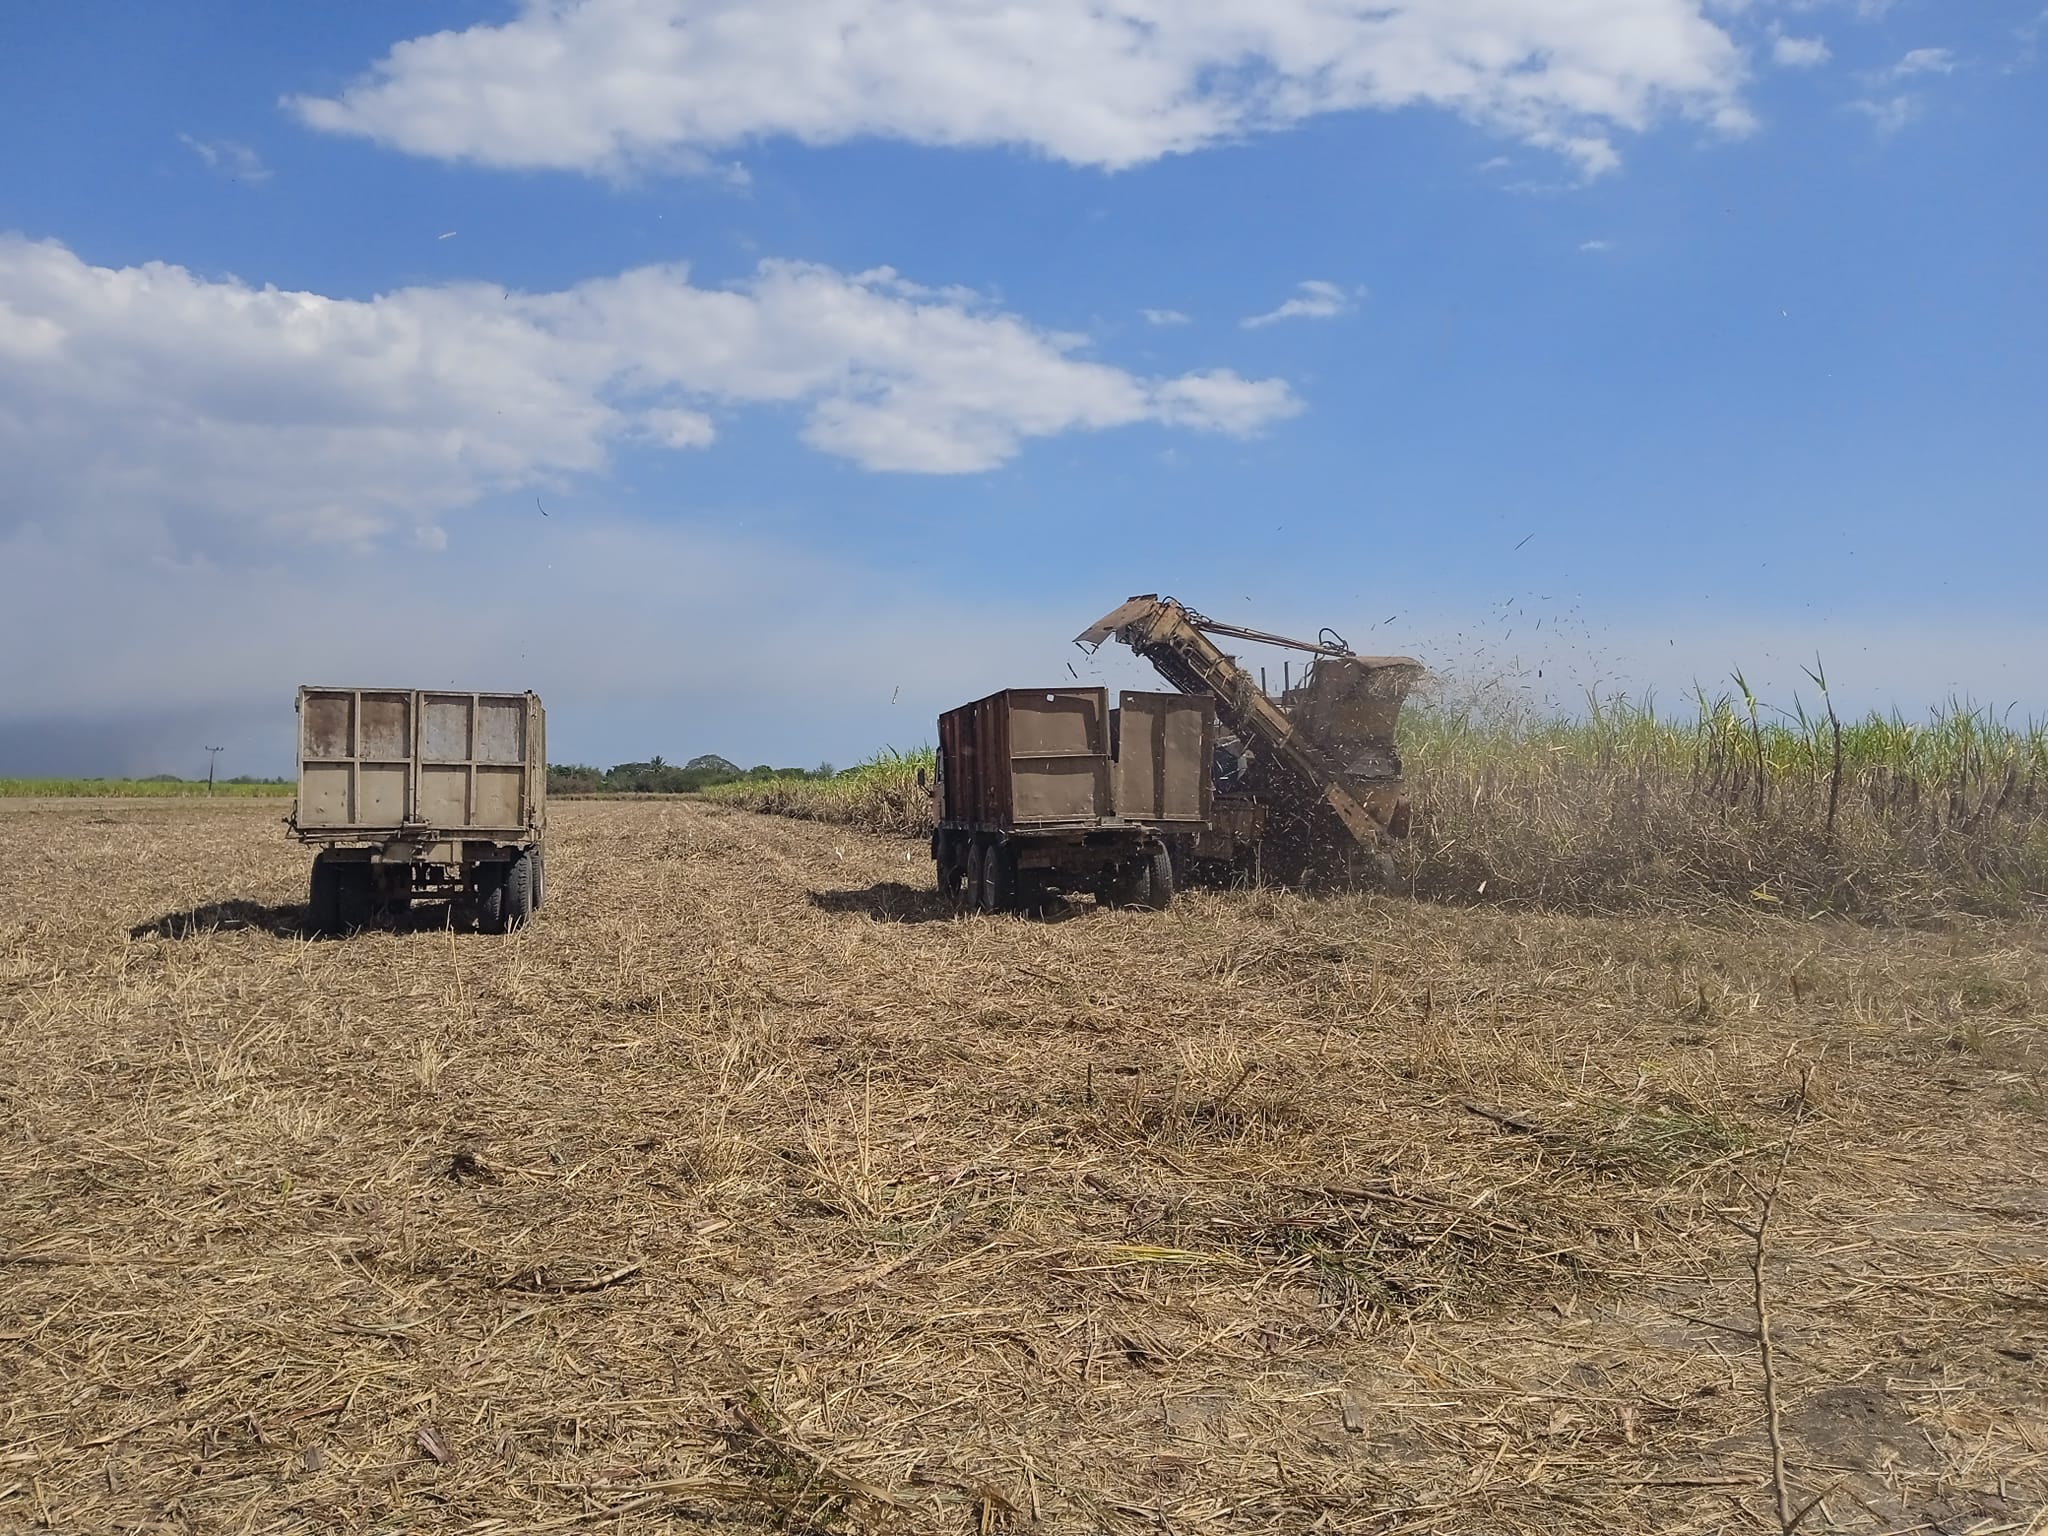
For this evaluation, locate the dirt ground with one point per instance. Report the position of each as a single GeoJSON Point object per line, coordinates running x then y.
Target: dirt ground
{"type": "Point", "coordinates": [747, 1190]}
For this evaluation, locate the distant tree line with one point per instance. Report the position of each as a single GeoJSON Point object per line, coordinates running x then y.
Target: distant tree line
{"type": "Point", "coordinates": [659, 777]}
{"type": "Point", "coordinates": [172, 778]}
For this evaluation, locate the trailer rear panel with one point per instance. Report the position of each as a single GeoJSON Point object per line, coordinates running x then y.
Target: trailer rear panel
{"type": "Point", "coordinates": [424, 763]}
{"type": "Point", "coordinates": [1164, 745]}
{"type": "Point", "coordinates": [1034, 758]}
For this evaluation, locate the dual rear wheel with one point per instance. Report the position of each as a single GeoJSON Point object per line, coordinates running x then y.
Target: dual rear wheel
{"type": "Point", "coordinates": [984, 877]}
{"type": "Point", "coordinates": [985, 880]}
{"type": "Point", "coordinates": [342, 896]}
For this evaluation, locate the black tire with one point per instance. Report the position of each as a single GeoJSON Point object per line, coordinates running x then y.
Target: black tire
{"type": "Point", "coordinates": [952, 879]}
{"type": "Point", "coordinates": [1158, 882]}
{"type": "Point", "coordinates": [323, 907]}
{"type": "Point", "coordinates": [358, 885]}
{"type": "Point", "coordinates": [1120, 886]}
{"type": "Point", "coordinates": [490, 897]}
{"type": "Point", "coordinates": [970, 898]}
{"type": "Point", "coordinates": [540, 878]}
{"type": "Point", "coordinates": [516, 900]}
{"type": "Point", "coordinates": [998, 879]}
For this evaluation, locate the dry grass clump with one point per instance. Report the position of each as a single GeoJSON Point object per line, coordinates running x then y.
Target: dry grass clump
{"type": "Point", "coordinates": [744, 1190]}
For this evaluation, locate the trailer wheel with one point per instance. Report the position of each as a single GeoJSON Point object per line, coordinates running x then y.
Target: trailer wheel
{"type": "Point", "coordinates": [323, 908]}
{"type": "Point", "coordinates": [516, 901]}
{"type": "Point", "coordinates": [357, 887]}
{"type": "Point", "coordinates": [998, 892]}
{"type": "Point", "coordinates": [1158, 893]}
{"type": "Point", "coordinates": [951, 877]}
{"type": "Point", "coordinates": [540, 878]}
{"type": "Point", "coordinates": [1125, 885]}
{"type": "Point", "coordinates": [970, 895]}
{"type": "Point", "coordinates": [490, 897]}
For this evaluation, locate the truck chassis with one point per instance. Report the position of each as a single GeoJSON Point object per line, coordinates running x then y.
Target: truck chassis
{"type": "Point", "coordinates": [498, 886]}
{"type": "Point", "coordinates": [991, 870]}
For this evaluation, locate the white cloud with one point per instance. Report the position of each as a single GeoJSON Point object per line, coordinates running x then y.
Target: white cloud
{"type": "Point", "coordinates": [238, 162]}
{"type": "Point", "coordinates": [183, 401]}
{"type": "Point", "coordinates": [614, 85]}
{"type": "Point", "coordinates": [1800, 52]}
{"type": "Point", "coordinates": [1313, 300]}
{"type": "Point", "coordinates": [1888, 114]}
{"type": "Point", "coordinates": [1925, 61]}
{"type": "Point", "coordinates": [1221, 401]}
{"type": "Point", "coordinates": [1163, 317]}
{"type": "Point", "coordinates": [1595, 247]}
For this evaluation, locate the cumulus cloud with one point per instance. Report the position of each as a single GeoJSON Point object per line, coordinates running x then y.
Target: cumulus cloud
{"type": "Point", "coordinates": [1313, 300]}
{"type": "Point", "coordinates": [1800, 52]}
{"type": "Point", "coordinates": [190, 399]}
{"type": "Point", "coordinates": [614, 85]}
{"type": "Point", "coordinates": [1163, 317]}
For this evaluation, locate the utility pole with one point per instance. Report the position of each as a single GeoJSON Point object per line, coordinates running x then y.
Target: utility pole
{"type": "Point", "coordinates": [212, 757]}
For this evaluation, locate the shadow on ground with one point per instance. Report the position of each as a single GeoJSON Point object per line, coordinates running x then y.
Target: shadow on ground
{"type": "Point", "coordinates": [287, 922]}
{"type": "Point", "coordinates": [225, 917]}
{"type": "Point", "coordinates": [887, 901]}
{"type": "Point", "coordinates": [891, 901]}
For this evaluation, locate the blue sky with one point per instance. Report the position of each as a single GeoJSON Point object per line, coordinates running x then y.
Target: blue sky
{"type": "Point", "coordinates": [863, 351]}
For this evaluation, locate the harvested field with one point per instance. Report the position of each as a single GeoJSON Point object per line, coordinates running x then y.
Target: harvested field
{"type": "Point", "coordinates": [745, 1190]}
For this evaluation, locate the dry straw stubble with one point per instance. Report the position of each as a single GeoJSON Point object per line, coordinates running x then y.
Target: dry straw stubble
{"type": "Point", "coordinates": [745, 1188]}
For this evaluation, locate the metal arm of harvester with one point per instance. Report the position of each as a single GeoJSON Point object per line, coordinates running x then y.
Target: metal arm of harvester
{"type": "Point", "coordinates": [1175, 639]}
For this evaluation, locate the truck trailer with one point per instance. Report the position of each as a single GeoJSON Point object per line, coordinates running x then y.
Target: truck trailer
{"type": "Point", "coordinates": [421, 795]}
{"type": "Point", "coordinates": [1047, 791]}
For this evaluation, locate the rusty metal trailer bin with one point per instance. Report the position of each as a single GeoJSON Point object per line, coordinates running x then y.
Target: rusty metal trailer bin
{"type": "Point", "coordinates": [414, 794]}
{"type": "Point", "coordinates": [1049, 791]}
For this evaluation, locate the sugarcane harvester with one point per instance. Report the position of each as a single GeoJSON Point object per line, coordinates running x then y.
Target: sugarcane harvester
{"type": "Point", "coordinates": [1312, 789]}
